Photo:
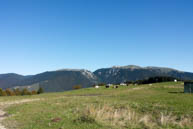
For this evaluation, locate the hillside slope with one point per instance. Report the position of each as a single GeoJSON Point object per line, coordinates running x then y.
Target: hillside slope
{"type": "Point", "coordinates": [52, 81]}
{"type": "Point", "coordinates": [10, 80]}
{"type": "Point", "coordinates": [61, 80]}
{"type": "Point", "coordinates": [131, 72]}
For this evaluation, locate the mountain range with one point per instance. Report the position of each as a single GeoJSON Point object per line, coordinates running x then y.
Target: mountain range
{"type": "Point", "coordinates": [65, 79]}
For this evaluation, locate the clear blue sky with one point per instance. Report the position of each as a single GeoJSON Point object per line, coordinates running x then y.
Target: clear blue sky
{"type": "Point", "coordinates": [43, 35]}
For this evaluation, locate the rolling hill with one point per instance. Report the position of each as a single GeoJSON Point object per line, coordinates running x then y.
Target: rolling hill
{"type": "Point", "coordinates": [118, 74]}
{"type": "Point", "coordinates": [65, 79]}
{"type": "Point", "coordinates": [53, 81]}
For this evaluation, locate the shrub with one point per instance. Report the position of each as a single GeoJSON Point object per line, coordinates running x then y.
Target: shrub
{"type": "Point", "coordinates": [85, 119]}
{"type": "Point", "coordinates": [4, 93]}
{"type": "Point", "coordinates": [77, 87]}
{"type": "Point", "coordinates": [157, 79]}
{"type": "Point", "coordinates": [9, 92]}
{"type": "Point", "coordinates": [25, 92]}
{"type": "Point", "coordinates": [129, 82]}
{"type": "Point", "coordinates": [102, 84]}
{"type": "Point", "coordinates": [17, 92]}
{"type": "Point", "coordinates": [34, 92]}
{"type": "Point", "coordinates": [1, 92]}
{"type": "Point", "coordinates": [40, 90]}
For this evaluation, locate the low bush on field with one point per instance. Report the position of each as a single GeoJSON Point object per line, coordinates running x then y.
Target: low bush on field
{"type": "Point", "coordinates": [77, 87]}
{"type": "Point", "coordinates": [18, 92]}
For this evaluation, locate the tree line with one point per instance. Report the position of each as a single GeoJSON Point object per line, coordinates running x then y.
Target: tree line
{"type": "Point", "coordinates": [154, 80]}
{"type": "Point", "coordinates": [18, 92]}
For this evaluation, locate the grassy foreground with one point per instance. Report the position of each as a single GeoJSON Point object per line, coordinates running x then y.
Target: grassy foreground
{"type": "Point", "coordinates": [161, 105]}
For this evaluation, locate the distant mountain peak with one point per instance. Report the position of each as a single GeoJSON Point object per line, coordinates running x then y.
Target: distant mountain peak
{"type": "Point", "coordinates": [162, 68]}
{"type": "Point", "coordinates": [148, 67]}
{"type": "Point", "coordinates": [74, 70]}
{"type": "Point", "coordinates": [128, 67]}
{"type": "Point", "coordinates": [10, 75]}
{"type": "Point", "coordinates": [118, 74]}
{"type": "Point", "coordinates": [65, 79]}
{"type": "Point", "coordinates": [84, 72]}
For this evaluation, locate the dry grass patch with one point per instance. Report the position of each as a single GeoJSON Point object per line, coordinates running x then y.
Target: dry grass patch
{"type": "Point", "coordinates": [171, 120]}
{"type": "Point", "coordinates": [123, 117]}
{"type": "Point", "coordinates": [128, 118]}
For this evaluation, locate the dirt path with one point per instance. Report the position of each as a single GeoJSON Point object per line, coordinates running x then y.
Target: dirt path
{"type": "Point", "coordinates": [4, 105]}
{"type": "Point", "coordinates": [2, 116]}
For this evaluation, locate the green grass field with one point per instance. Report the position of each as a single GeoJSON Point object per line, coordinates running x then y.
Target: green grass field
{"type": "Point", "coordinates": [162, 105]}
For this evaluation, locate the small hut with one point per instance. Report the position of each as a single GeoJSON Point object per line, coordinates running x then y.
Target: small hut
{"type": "Point", "coordinates": [188, 87]}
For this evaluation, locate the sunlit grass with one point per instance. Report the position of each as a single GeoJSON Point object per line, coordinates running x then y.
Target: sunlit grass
{"type": "Point", "coordinates": [161, 105]}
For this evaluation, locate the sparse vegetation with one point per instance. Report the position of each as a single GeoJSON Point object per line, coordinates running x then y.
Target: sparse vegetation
{"type": "Point", "coordinates": [40, 90]}
{"type": "Point", "coordinates": [34, 92]}
{"type": "Point", "coordinates": [25, 92]}
{"type": "Point", "coordinates": [9, 92]}
{"type": "Point", "coordinates": [1, 92]}
{"type": "Point", "coordinates": [102, 84]}
{"type": "Point", "coordinates": [76, 87]}
{"type": "Point", "coordinates": [151, 80]}
{"type": "Point", "coordinates": [18, 92]}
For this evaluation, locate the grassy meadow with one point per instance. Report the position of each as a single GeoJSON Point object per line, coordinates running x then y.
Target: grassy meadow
{"type": "Point", "coordinates": [157, 106]}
